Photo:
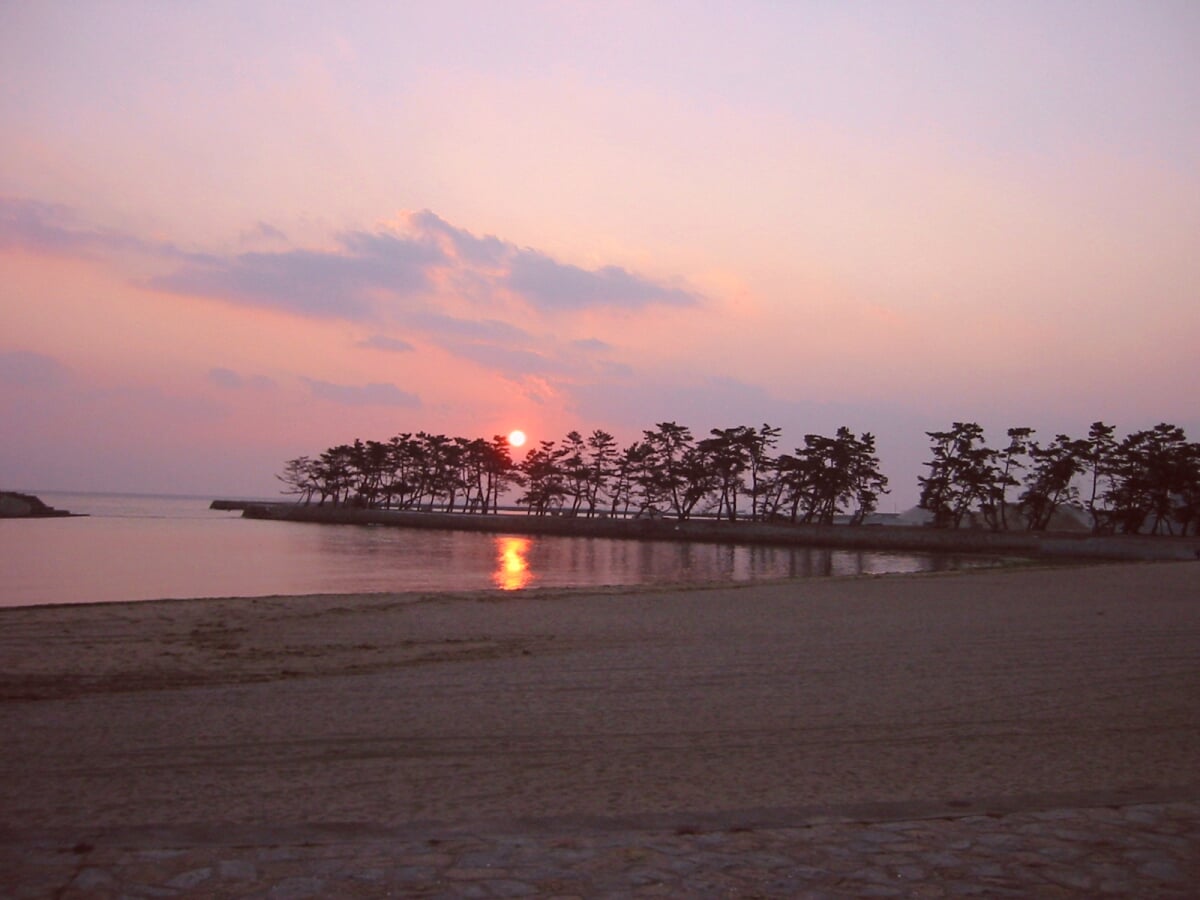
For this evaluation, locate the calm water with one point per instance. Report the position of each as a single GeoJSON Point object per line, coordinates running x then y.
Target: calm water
{"type": "Point", "coordinates": [141, 548]}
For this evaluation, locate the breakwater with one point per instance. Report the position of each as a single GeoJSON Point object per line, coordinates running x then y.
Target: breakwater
{"type": "Point", "coordinates": [14, 505]}
{"type": "Point", "coordinates": [1034, 545]}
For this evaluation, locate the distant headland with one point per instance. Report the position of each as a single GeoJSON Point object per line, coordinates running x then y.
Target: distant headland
{"type": "Point", "coordinates": [26, 506]}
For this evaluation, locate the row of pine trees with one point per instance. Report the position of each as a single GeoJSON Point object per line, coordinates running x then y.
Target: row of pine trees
{"type": "Point", "coordinates": [733, 473]}
{"type": "Point", "coordinates": [1145, 482]}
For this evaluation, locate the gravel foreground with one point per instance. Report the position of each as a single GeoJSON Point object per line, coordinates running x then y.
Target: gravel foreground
{"type": "Point", "coordinates": [1145, 850]}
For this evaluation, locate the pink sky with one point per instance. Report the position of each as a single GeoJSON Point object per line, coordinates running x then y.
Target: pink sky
{"type": "Point", "coordinates": [235, 233]}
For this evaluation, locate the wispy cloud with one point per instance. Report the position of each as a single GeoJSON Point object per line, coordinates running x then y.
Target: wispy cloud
{"type": "Point", "coordinates": [591, 345]}
{"type": "Point", "coordinates": [383, 342]}
{"type": "Point", "coordinates": [323, 284]}
{"type": "Point", "coordinates": [263, 233]}
{"type": "Point", "coordinates": [460, 291]}
{"type": "Point", "coordinates": [231, 380]}
{"type": "Point", "coordinates": [511, 361]}
{"type": "Point", "coordinates": [551, 285]}
{"type": "Point", "coordinates": [543, 282]}
{"type": "Point", "coordinates": [429, 255]}
{"type": "Point", "coordinates": [54, 229]}
{"type": "Point", "coordinates": [24, 368]}
{"type": "Point", "coordinates": [374, 394]}
{"type": "Point", "coordinates": [345, 282]}
{"type": "Point", "coordinates": [41, 227]}
{"type": "Point", "coordinates": [442, 325]}
{"type": "Point", "coordinates": [615, 369]}
{"type": "Point", "coordinates": [483, 252]}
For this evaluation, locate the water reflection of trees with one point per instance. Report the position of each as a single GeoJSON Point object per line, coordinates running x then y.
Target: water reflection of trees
{"type": "Point", "coordinates": [398, 557]}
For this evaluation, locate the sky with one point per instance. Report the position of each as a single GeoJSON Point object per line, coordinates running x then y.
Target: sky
{"type": "Point", "coordinates": [235, 233]}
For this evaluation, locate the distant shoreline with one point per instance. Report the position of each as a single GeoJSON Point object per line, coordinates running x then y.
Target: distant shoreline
{"type": "Point", "coordinates": [911, 538]}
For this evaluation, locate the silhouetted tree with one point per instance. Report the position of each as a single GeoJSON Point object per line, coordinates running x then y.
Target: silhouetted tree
{"type": "Point", "coordinates": [499, 471]}
{"type": "Point", "coordinates": [961, 475]}
{"type": "Point", "coordinates": [545, 479]}
{"type": "Point", "coordinates": [829, 476]}
{"type": "Point", "coordinates": [867, 482]}
{"type": "Point", "coordinates": [1149, 481]}
{"type": "Point", "coordinates": [627, 489]}
{"type": "Point", "coordinates": [333, 474]}
{"type": "Point", "coordinates": [669, 464]}
{"type": "Point", "coordinates": [1098, 459]}
{"type": "Point", "coordinates": [1148, 470]}
{"type": "Point", "coordinates": [995, 503]}
{"type": "Point", "coordinates": [602, 452]}
{"type": "Point", "coordinates": [575, 470]}
{"type": "Point", "coordinates": [299, 478]}
{"type": "Point", "coordinates": [1187, 508]}
{"type": "Point", "coordinates": [1050, 482]}
{"type": "Point", "coordinates": [727, 454]}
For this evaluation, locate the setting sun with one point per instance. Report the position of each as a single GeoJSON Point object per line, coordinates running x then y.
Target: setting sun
{"type": "Point", "coordinates": [516, 438]}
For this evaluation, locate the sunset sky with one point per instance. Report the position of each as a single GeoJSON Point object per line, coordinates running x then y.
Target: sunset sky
{"type": "Point", "coordinates": [234, 233]}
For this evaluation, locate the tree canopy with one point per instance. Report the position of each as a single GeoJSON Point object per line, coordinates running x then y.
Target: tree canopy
{"type": "Point", "coordinates": [1146, 482]}
{"type": "Point", "coordinates": [1149, 482]}
{"type": "Point", "coordinates": [732, 473]}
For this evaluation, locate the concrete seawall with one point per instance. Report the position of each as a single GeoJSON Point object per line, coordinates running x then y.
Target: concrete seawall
{"type": "Point", "coordinates": [1035, 545]}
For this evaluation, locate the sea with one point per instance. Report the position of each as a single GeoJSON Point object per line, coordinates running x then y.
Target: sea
{"type": "Point", "coordinates": [132, 547]}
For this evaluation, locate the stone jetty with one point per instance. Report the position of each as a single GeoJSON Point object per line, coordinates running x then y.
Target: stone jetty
{"type": "Point", "coordinates": [903, 538]}
{"type": "Point", "coordinates": [14, 505]}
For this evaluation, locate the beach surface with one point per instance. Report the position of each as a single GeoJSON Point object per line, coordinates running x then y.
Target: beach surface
{"type": "Point", "coordinates": [958, 691]}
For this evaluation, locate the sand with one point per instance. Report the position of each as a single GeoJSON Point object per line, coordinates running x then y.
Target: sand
{"type": "Point", "coordinates": [398, 709]}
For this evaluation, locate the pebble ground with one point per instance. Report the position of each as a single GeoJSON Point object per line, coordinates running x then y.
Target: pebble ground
{"type": "Point", "coordinates": [1144, 850]}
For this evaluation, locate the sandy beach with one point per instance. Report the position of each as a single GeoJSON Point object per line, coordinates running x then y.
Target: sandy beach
{"type": "Point", "coordinates": [960, 689]}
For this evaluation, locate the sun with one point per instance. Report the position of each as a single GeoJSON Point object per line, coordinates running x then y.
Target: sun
{"type": "Point", "coordinates": [516, 438]}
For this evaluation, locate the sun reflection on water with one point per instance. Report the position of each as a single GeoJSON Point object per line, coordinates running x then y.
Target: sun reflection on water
{"type": "Point", "coordinates": [512, 566]}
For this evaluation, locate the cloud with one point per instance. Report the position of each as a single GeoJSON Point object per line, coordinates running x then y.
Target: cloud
{"type": "Point", "coordinates": [342, 283]}
{"type": "Point", "coordinates": [459, 290]}
{"type": "Point", "coordinates": [263, 233]}
{"type": "Point", "coordinates": [310, 282]}
{"type": "Point", "coordinates": [591, 345]}
{"type": "Point", "coordinates": [509, 360]}
{"type": "Point", "coordinates": [348, 281]}
{"type": "Point", "coordinates": [53, 229]}
{"type": "Point", "coordinates": [374, 394]}
{"type": "Point", "coordinates": [225, 378]}
{"type": "Point", "coordinates": [443, 325]}
{"type": "Point", "coordinates": [551, 285]}
{"type": "Point", "coordinates": [24, 368]}
{"type": "Point", "coordinates": [482, 267]}
{"type": "Point", "coordinates": [541, 281]}
{"type": "Point", "coordinates": [488, 251]}
{"type": "Point", "coordinates": [269, 231]}
{"type": "Point", "coordinates": [615, 369]}
{"type": "Point", "coordinates": [30, 225]}
{"type": "Point", "coordinates": [230, 380]}
{"type": "Point", "coordinates": [383, 342]}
